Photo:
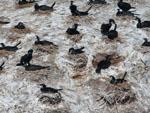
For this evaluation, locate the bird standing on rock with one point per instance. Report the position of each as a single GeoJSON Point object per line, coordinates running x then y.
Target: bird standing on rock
{"type": "Point", "coordinates": [25, 60]}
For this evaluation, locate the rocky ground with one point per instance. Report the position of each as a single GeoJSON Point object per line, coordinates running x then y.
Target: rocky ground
{"type": "Point", "coordinates": [84, 91]}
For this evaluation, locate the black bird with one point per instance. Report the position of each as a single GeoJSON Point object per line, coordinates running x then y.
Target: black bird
{"type": "Point", "coordinates": [73, 8]}
{"type": "Point", "coordinates": [146, 43]}
{"type": "Point", "coordinates": [20, 25]}
{"type": "Point", "coordinates": [25, 60]}
{"type": "Point", "coordinates": [35, 67]}
{"type": "Point", "coordinates": [76, 12]}
{"type": "Point", "coordinates": [104, 64]}
{"type": "Point", "coordinates": [4, 20]}
{"type": "Point", "coordinates": [117, 81]}
{"type": "Point", "coordinates": [22, 2]}
{"type": "Point", "coordinates": [76, 51]}
{"type": "Point", "coordinates": [144, 24]}
{"type": "Point", "coordinates": [43, 42]}
{"type": "Point", "coordinates": [38, 7]}
{"type": "Point", "coordinates": [73, 30]}
{"type": "Point", "coordinates": [112, 34]}
{"type": "Point", "coordinates": [124, 6]}
{"type": "Point", "coordinates": [125, 13]}
{"type": "Point", "coordinates": [97, 2]}
{"type": "Point", "coordinates": [106, 27]}
{"type": "Point", "coordinates": [46, 89]}
{"type": "Point", "coordinates": [84, 13]}
{"type": "Point", "coordinates": [1, 66]}
{"type": "Point", "coordinates": [10, 48]}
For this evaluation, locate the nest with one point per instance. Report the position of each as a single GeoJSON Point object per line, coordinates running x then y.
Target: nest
{"type": "Point", "coordinates": [80, 19]}
{"type": "Point", "coordinates": [47, 48]}
{"type": "Point", "coordinates": [13, 37]}
{"type": "Point", "coordinates": [20, 31]}
{"type": "Point", "coordinates": [75, 38]}
{"type": "Point", "coordinates": [115, 59]}
{"type": "Point", "coordinates": [24, 5]}
{"type": "Point", "coordinates": [110, 95]}
{"type": "Point", "coordinates": [58, 111]}
{"type": "Point", "coordinates": [4, 53]}
{"type": "Point", "coordinates": [51, 100]}
{"type": "Point", "coordinates": [80, 61]}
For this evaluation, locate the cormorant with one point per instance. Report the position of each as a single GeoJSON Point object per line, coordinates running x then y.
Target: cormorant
{"type": "Point", "coordinates": [117, 81]}
{"type": "Point", "coordinates": [20, 25]}
{"type": "Point", "coordinates": [9, 48]}
{"type": "Point", "coordinates": [144, 24]}
{"type": "Point", "coordinates": [112, 34]}
{"type": "Point", "coordinates": [76, 51]}
{"type": "Point", "coordinates": [124, 6]}
{"type": "Point", "coordinates": [106, 27]}
{"type": "Point", "coordinates": [73, 30]}
{"type": "Point", "coordinates": [146, 43]}
{"type": "Point", "coordinates": [46, 89]}
{"type": "Point", "coordinates": [43, 42]}
{"type": "Point", "coordinates": [38, 7]}
{"type": "Point", "coordinates": [104, 64]}
{"type": "Point", "coordinates": [25, 60]}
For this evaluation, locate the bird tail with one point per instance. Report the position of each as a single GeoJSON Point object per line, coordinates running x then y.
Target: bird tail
{"type": "Point", "coordinates": [89, 9]}
{"type": "Point", "coordinates": [59, 89]}
{"type": "Point", "coordinates": [2, 64]}
{"type": "Point", "coordinates": [38, 38]}
{"type": "Point", "coordinates": [53, 4]}
{"type": "Point", "coordinates": [82, 48]}
{"type": "Point", "coordinates": [18, 43]}
{"type": "Point", "coordinates": [132, 7]}
{"type": "Point", "coordinates": [19, 64]}
{"type": "Point", "coordinates": [124, 75]}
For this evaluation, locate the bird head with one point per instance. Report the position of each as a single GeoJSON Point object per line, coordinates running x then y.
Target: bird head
{"type": "Point", "coordinates": [71, 50]}
{"type": "Point", "coordinates": [111, 21]}
{"type": "Point", "coordinates": [30, 51]}
{"type": "Point", "coordinates": [43, 85]}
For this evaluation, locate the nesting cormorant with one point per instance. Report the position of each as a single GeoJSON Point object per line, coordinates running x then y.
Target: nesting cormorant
{"type": "Point", "coordinates": [22, 2]}
{"type": "Point", "coordinates": [46, 89]}
{"type": "Point", "coordinates": [124, 6]}
{"type": "Point", "coordinates": [117, 81]}
{"type": "Point", "coordinates": [38, 7]}
{"type": "Point", "coordinates": [144, 24]}
{"type": "Point", "coordinates": [43, 42]}
{"type": "Point", "coordinates": [125, 13]}
{"type": "Point", "coordinates": [1, 66]}
{"type": "Point", "coordinates": [9, 48]}
{"type": "Point", "coordinates": [97, 2]}
{"type": "Point", "coordinates": [20, 25]}
{"type": "Point", "coordinates": [25, 60]}
{"type": "Point", "coordinates": [106, 27]}
{"type": "Point", "coordinates": [73, 30]}
{"type": "Point", "coordinates": [76, 12]}
{"type": "Point", "coordinates": [146, 43]}
{"type": "Point", "coordinates": [104, 64]}
{"type": "Point", "coordinates": [112, 34]}
{"type": "Point", "coordinates": [76, 51]}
